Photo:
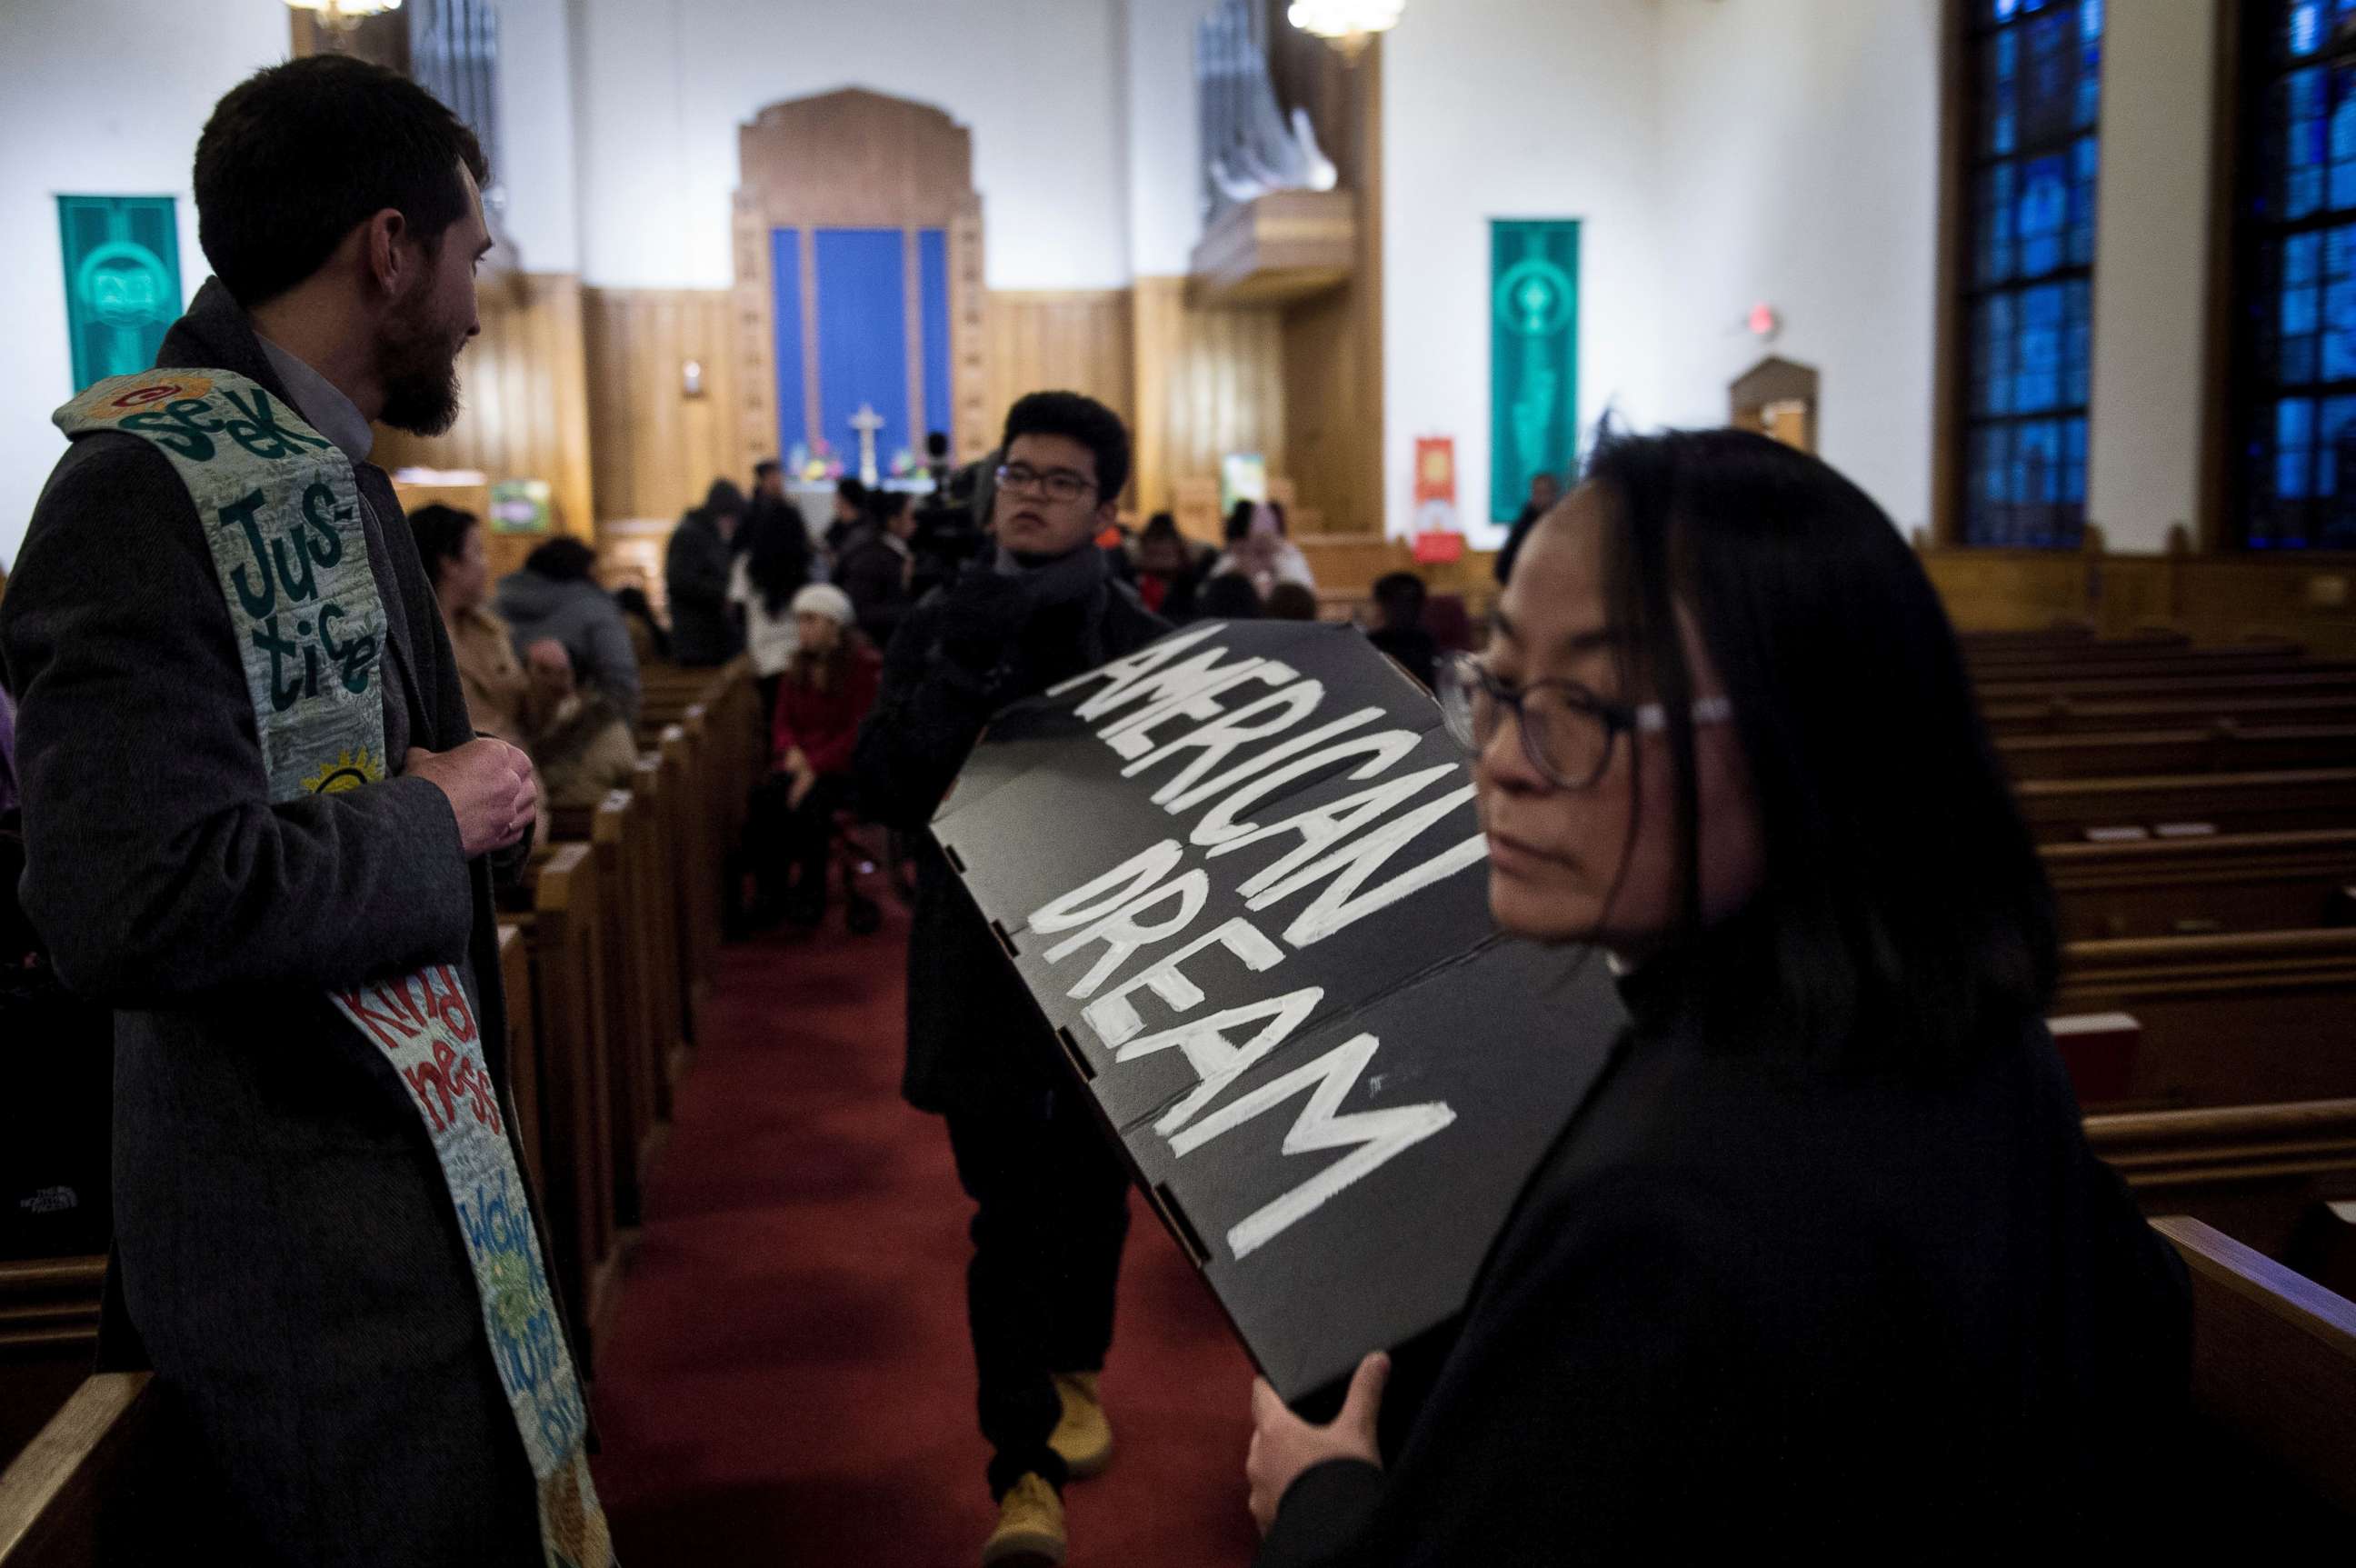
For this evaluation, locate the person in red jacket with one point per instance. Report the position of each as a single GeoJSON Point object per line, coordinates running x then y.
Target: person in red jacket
{"type": "Point", "coordinates": [827, 690]}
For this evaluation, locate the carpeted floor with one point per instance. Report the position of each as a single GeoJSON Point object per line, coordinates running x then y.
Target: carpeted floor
{"type": "Point", "coordinates": [789, 1381]}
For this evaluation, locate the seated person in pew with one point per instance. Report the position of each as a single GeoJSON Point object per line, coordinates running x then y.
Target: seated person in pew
{"type": "Point", "coordinates": [501, 698]}
{"type": "Point", "coordinates": [584, 747]}
{"type": "Point", "coordinates": [556, 596]}
{"type": "Point", "coordinates": [826, 692]}
{"type": "Point", "coordinates": [1827, 1259]}
{"type": "Point", "coordinates": [323, 1242]}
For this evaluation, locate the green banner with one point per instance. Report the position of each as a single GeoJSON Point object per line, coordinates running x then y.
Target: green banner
{"type": "Point", "coordinates": [123, 281]}
{"type": "Point", "coordinates": [1533, 358]}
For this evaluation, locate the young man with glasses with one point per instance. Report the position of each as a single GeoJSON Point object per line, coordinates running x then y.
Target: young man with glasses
{"type": "Point", "coordinates": [1051, 1194]}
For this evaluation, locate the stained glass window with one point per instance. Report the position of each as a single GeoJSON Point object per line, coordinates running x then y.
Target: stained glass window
{"type": "Point", "coordinates": [2036, 72]}
{"type": "Point", "coordinates": [2295, 317]}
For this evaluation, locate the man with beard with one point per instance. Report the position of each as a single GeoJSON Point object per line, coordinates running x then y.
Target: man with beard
{"type": "Point", "coordinates": [1050, 1193]}
{"type": "Point", "coordinates": [259, 828]}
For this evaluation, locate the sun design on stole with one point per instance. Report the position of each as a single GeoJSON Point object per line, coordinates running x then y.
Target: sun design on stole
{"type": "Point", "coordinates": [348, 772]}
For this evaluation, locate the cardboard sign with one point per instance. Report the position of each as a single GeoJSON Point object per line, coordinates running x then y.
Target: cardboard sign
{"type": "Point", "coordinates": [1240, 874]}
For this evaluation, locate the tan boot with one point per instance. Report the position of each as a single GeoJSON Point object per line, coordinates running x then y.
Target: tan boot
{"type": "Point", "coordinates": [1030, 1531]}
{"type": "Point", "coordinates": [1084, 1435]}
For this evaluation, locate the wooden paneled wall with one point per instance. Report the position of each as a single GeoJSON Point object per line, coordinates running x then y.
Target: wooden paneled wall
{"type": "Point", "coordinates": [2214, 598]}
{"type": "Point", "coordinates": [1062, 341]}
{"type": "Point", "coordinates": [1209, 381]}
{"type": "Point", "coordinates": [526, 410]}
{"type": "Point", "coordinates": [656, 447]}
{"type": "Point", "coordinates": [1333, 342]}
{"type": "Point", "coordinates": [1193, 385]}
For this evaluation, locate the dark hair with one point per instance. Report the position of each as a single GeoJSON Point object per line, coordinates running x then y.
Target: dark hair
{"type": "Point", "coordinates": [852, 490]}
{"type": "Point", "coordinates": [632, 601]}
{"type": "Point", "coordinates": [936, 444]}
{"type": "Point", "coordinates": [1161, 525]}
{"type": "Point", "coordinates": [1228, 596]}
{"type": "Point", "coordinates": [298, 155]}
{"type": "Point", "coordinates": [1903, 894]}
{"type": "Point", "coordinates": [763, 469]}
{"type": "Point", "coordinates": [883, 505]}
{"type": "Point", "coordinates": [441, 532]}
{"type": "Point", "coordinates": [1290, 601]}
{"type": "Point", "coordinates": [723, 500]}
{"type": "Point", "coordinates": [777, 558]}
{"type": "Point", "coordinates": [563, 559]}
{"type": "Point", "coordinates": [1239, 522]}
{"type": "Point", "coordinates": [1082, 419]}
{"type": "Point", "coordinates": [1401, 596]}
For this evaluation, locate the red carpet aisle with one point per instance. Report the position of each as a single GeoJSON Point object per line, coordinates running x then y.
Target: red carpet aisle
{"type": "Point", "coordinates": [789, 1381]}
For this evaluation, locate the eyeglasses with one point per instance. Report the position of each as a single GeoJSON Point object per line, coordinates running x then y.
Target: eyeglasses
{"type": "Point", "coordinates": [1568, 731]}
{"type": "Point", "coordinates": [1056, 484]}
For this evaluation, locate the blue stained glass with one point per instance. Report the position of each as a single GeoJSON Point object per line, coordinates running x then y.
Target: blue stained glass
{"type": "Point", "coordinates": [2299, 259]}
{"type": "Point", "coordinates": [2294, 433]}
{"type": "Point", "coordinates": [2090, 85]}
{"type": "Point", "coordinates": [1994, 372]}
{"type": "Point", "coordinates": [2344, 141]}
{"type": "Point", "coordinates": [2294, 361]}
{"type": "Point", "coordinates": [1999, 134]}
{"type": "Point", "coordinates": [2335, 443]}
{"type": "Point", "coordinates": [2037, 382]}
{"type": "Point", "coordinates": [2303, 144]}
{"type": "Point", "coordinates": [2047, 84]}
{"type": "Point", "coordinates": [2090, 19]}
{"type": "Point", "coordinates": [1996, 224]}
{"type": "Point", "coordinates": [2005, 9]}
{"type": "Point", "coordinates": [2086, 159]}
{"type": "Point", "coordinates": [2044, 210]}
{"type": "Point", "coordinates": [2073, 463]}
{"type": "Point", "coordinates": [2305, 28]}
{"type": "Point", "coordinates": [2299, 311]}
{"type": "Point", "coordinates": [2077, 352]}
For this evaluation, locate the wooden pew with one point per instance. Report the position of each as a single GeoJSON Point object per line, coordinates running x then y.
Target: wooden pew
{"type": "Point", "coordinates": [658, 895]}
{"type": "Point", "coordinates": [2064, 715]}
{"type": "Point", "coordinates": [82, 1493]}
{"type": "Point", "coordinates": [614, 830]}
{"type": "Point", "coordinates": [2309, 680]}
{"type": "Point", "coordinates": [2190, 887]}
{"type": "Point", "coordinates": [2062, 810]}
{"type": "Point", "coordinates": [2219, 748]}
{"type": "Point", "coordinates": [564, 934]}
{"type": "Point", "coordinates": [2240, 662]}
{"type": "Point", "coordinates": [2265, 1175]}
{"type": "Point", "coordinates": [2274, 1365]}
{"type": "Point", "coordinates": [524, 1048]}
{"type": "Point", "coordinates": [2227, 1020]}
{"type": "Point", "coordinates": [49, 1339]}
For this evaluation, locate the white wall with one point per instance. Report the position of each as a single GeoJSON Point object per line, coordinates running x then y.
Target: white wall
{"type": "Point", "coordinates": [96, 98]}
{"type": "Point", "coordinates": [2152, 274]}
{"type": "Point", "coordinates": [663, 85]}
{"type": "Point", "coordinates": [536, 166]}
{"type": "Point", "coordinates": [1800, 168]}
{"type": "Point", "coordinates": [1164, 135]}
{"type": "Point", "coordinates": [1514, 109]}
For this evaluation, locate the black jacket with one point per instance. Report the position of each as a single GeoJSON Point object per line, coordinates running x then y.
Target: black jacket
{"type": "Point", "coordinates": [974, 1034]}
{"type": "Point", "coordinates": [1748, 1311]}
{"type": "Point", "coordinates": [875, 571]}
{"type": "Point", "coordinates": [695, 581]}
{"type": "Point", "coordinates": [285, 1245]}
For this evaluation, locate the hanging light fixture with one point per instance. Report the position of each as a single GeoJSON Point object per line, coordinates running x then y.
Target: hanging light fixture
{"type": "Point", "coordinates": [343, 16]}
{"type": "Point", "coordinates": [1347, 25]}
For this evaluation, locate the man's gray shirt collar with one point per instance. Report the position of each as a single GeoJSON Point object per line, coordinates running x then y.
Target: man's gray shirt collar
{"type": "Point", "coordinates": [322, 407]}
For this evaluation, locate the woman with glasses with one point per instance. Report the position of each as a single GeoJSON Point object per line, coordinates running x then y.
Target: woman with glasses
{"type": "Point", "coordinates": [1824, 1262]}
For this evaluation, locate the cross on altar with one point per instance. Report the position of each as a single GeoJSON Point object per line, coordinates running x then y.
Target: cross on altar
{"type": "Point", "coordinates": [867, 422]}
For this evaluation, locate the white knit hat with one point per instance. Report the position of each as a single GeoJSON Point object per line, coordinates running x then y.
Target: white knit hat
{"type": "Point", "coordinates": [825, 599]}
